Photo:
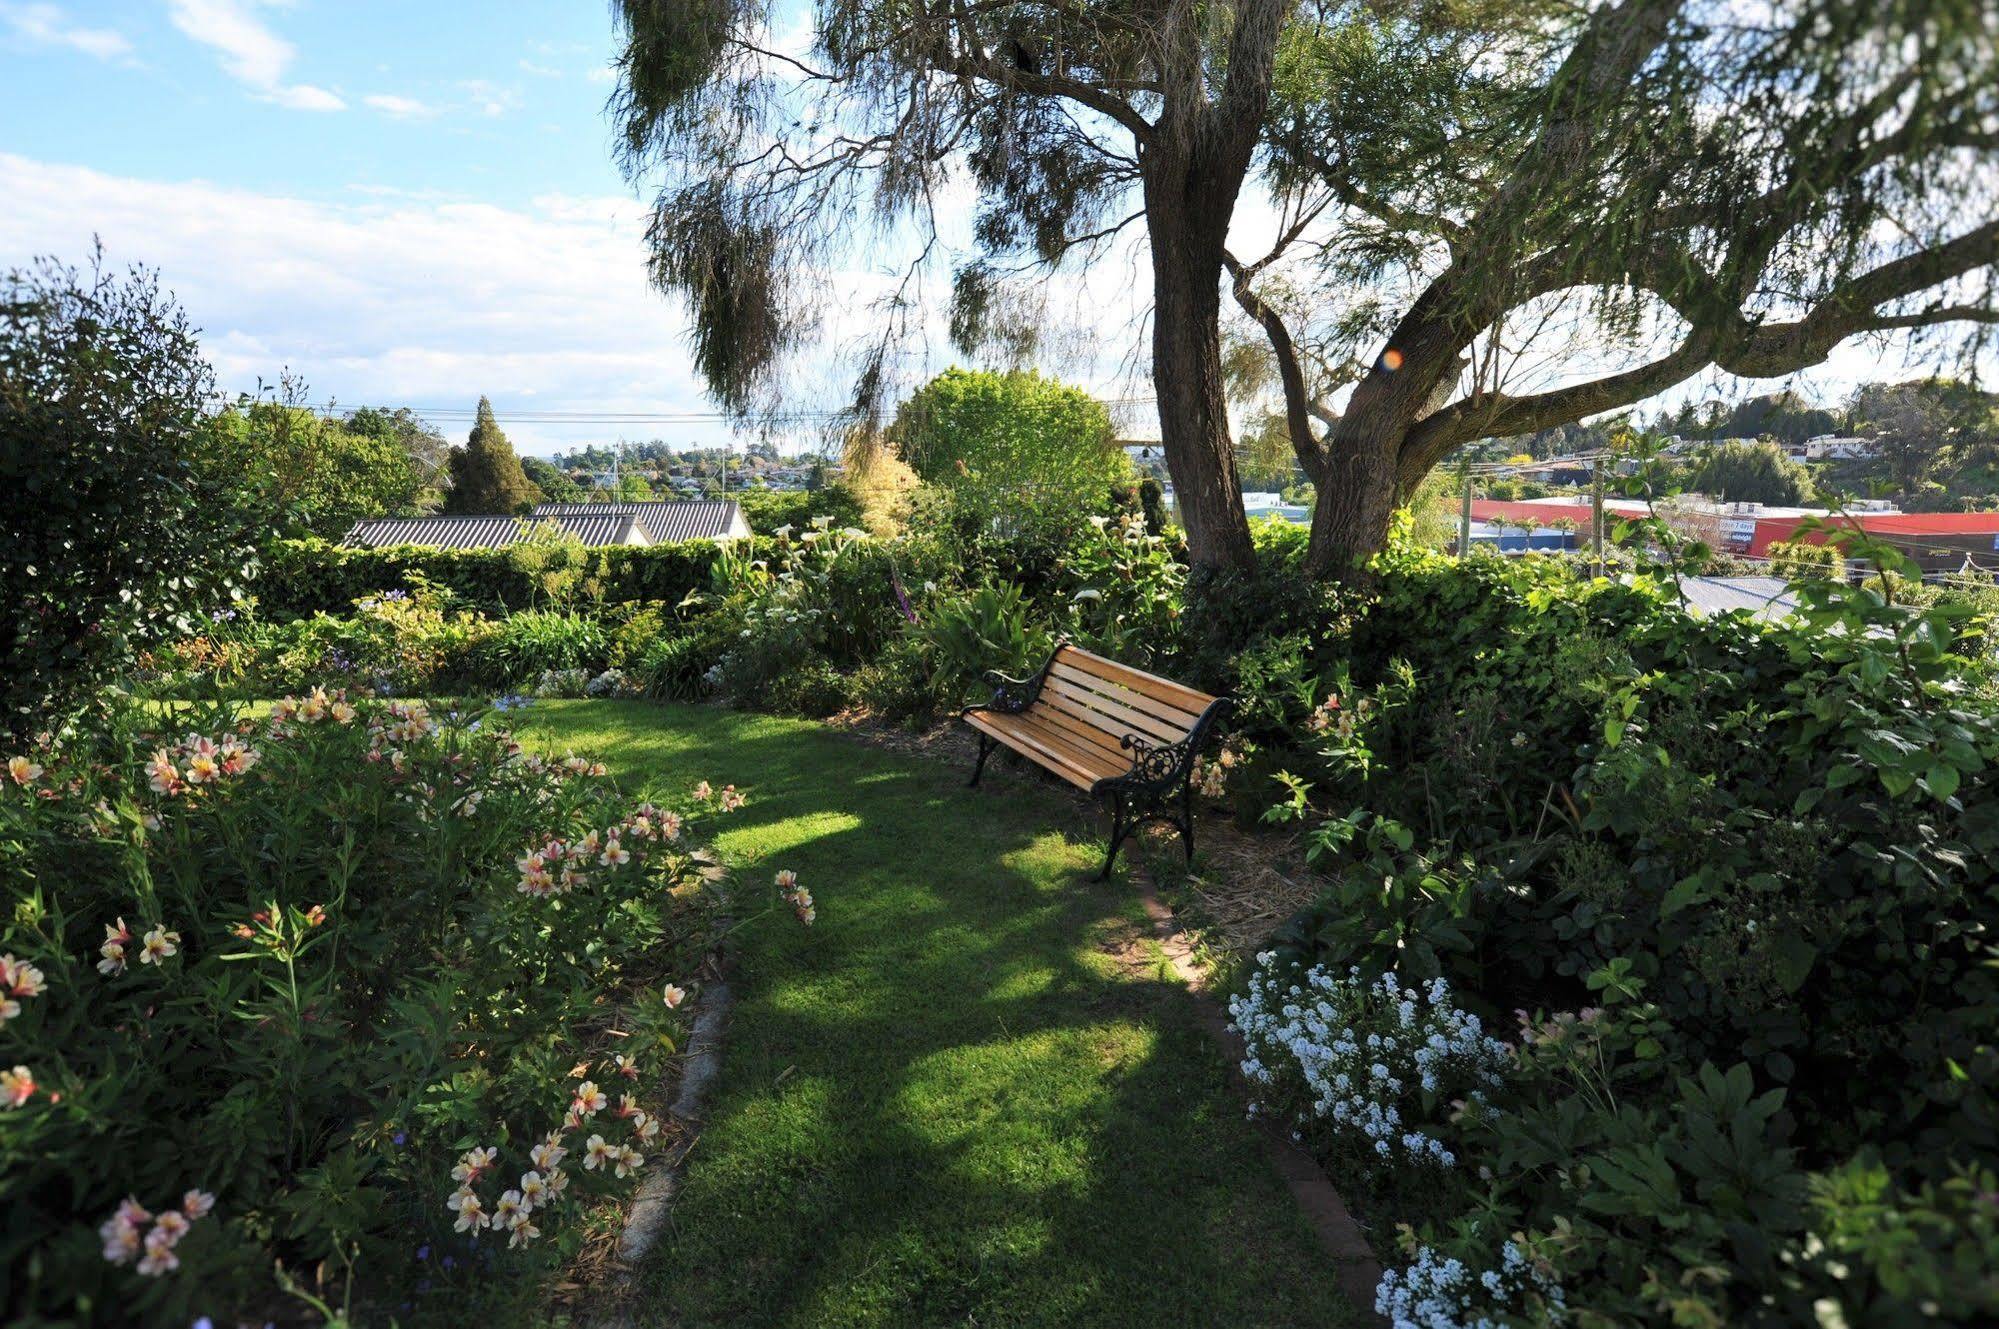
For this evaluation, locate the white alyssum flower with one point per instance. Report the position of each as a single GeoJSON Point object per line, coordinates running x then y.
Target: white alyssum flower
{"type": "Point", "coordinates": [1443, 1292]}
{"type": "Point", "coordinates": [1374, 1061]}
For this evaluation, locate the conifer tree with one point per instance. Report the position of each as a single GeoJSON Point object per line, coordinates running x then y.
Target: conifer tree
{"type": "Point", "coordinates": [486, 476]}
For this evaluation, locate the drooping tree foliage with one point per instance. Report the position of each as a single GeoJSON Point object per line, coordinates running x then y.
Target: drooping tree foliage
{"type": "Point", "coordinates": [486, 476]}
{"type": "Point", "coordinates": [1569, 217]}
{"type": "Point", "coordinates": [118, 525]}
{"type": "Point", "coordinates": [1070, 121]}
{"type": "Point", "coordinates": [1490, 218]}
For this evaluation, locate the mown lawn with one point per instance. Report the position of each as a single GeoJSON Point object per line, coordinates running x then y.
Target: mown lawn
{"type": "Point", "coordinates": [948, 1103]}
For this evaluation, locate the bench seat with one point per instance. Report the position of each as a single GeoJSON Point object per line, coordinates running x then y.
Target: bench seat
{"type": "Point", "coordinates": [1113, 731]}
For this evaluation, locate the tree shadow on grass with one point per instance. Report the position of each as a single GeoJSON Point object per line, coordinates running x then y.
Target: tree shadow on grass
{"type": "Point", "coordinates": [945, 1104]}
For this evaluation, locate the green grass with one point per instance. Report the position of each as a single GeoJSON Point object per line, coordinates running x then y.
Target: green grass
{"type": "Point", "coordinates": [948, 1103]}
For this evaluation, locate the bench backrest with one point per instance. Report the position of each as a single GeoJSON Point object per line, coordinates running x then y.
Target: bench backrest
{"type": "Point", "coordinates": [1085, 691]}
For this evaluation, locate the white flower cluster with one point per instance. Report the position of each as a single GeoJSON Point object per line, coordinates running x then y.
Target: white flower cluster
{"type": "Point", "coordinates": [1442, 1292]}
{"type": "Point", "coordinates": [1366, 1056]}
{"type": "Point", "coordinates": [610, 683]}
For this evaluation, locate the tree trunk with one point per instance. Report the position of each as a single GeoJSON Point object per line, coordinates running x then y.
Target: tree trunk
{"type": "Point", "coordinates": [1187, 240]}
{"type": "Point", "coordinates": [1356, 503]}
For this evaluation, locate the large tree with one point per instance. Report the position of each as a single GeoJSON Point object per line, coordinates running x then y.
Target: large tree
{"type": "Point", "coordinates": [1467, 192]}
{"type": "Point", "coordinates": [1071, 120]}
{"type": "Point", "coordinates": [1017, 432]}
{"type": "Point", "coordinates": [1916, 424]}
{"type": "Point", "coordinates": [1493, 237]}
{"type": "Point", "coordinates": [303, 474]}
{"type": "Point", "coordinates": [1750, 473]}
{"type": "Point", "coordinates": [486, 476]}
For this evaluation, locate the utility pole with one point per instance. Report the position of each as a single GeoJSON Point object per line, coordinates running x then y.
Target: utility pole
{"type": "Point", "coordinates": [1464, 513]}
{"type": "Point", "coordinates": [1596, 509]}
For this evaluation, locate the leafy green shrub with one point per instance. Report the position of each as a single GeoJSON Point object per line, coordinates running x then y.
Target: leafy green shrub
{"type": "Point", "coordinates": [812, 688]}
{"type": "Point", "coordinates": [533, 642]}
{"type": "Point", "coordinates": [303, 577]}
{"type": "Point", "coordinates": [1125, 591]}
{"type": "Point", "coordinates": [634, 632]}
{"type": "Point", "coordinates": [900, 684]}
{"type": "Point", "coordinates": [767, 510]}
{"type": "Point", "coordinates": [990, 628]}
{"type": "Point", "coordinates": [118, 530]}
{"type": "Point", "coordinates": [676, 668]}
{"type": "Point", "coordinates": [1734, 878]}
{"type": "Point", "coordinates": [270, 981]}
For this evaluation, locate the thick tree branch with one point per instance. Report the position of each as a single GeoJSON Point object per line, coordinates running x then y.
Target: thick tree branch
{"type": "Point", "coordinates": [984, 68]}
{"type": "Point", "coordinates": [1297, 417]}
{"type": "Point", "coordinates": [1739, 346]}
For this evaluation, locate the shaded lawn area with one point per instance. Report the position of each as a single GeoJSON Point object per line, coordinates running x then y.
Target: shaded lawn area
{"type": "Point", "coordinates": [948, 1103]}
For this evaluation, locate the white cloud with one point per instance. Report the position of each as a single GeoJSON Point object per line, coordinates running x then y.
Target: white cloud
{"type": "Point", "coordinates": [48, 25]}
{"type": "Point", "coordinates": [250, 52]}
{"type": "Point", "coordinates": [388, 103]}
{"type": "Point", "coordinates": [491, 98]}
{"type": "Point", "coordinates": [539, 71]}
{"type": "Point", "coordinates": [305, 97]}
{"type": "Point", "coordinates": [400, 300]}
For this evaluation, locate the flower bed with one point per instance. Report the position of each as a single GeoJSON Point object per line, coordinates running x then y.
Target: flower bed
{"type": "Point", "coordinates": [1725, 886]}
{"type": "Point", "coordinates": [355, 1006]}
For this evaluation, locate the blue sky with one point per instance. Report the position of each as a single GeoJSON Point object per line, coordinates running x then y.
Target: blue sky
{"type": "Point", "coordinates": [409, 203]}
{"type": "Point", "coordinates": [502, 102]}
{"type": "Point", "coordinates": [415, 203]}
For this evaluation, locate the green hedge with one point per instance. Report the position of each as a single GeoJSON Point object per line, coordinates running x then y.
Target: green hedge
{"type": "Point", "coordinates": [303, 577]}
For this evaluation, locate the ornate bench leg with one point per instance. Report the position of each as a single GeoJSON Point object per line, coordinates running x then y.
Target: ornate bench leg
{"type": "Point", "coordinates": [1122, 826]}
{"type": "Point", "coordinates": [986, 746]}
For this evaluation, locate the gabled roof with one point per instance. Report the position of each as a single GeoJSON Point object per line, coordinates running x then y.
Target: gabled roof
{"type": "Point", "coordinates": [604, 528]}
{"type": "Point", "coordinates": [665, 521]}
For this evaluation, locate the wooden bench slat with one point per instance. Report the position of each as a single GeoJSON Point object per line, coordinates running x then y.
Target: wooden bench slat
{"type": "Point", "coordinates": [1013, 735]}
{"type": "Point", "coordinates": [1085, 731]}
{"type": "Point", "coordinates": [1144, 703]}
{"type": "Point", "coordinates": [1108, 712]}
{"type": "Point", "coordinates": [1179, 695]}
{"type": "Point", "coordinates": [1087, 756]}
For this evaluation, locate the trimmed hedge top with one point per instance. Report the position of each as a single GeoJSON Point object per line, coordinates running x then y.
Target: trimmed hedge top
{"type": "Point", "coordinates": [303, 577]}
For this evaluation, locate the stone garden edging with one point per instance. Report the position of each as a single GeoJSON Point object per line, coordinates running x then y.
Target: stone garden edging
{"type": "Point", "coordinates": [1318, 1199]}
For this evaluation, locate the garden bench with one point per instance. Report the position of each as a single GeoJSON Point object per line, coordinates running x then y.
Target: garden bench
{"type": "Point", "coordinates": [1115, 732]}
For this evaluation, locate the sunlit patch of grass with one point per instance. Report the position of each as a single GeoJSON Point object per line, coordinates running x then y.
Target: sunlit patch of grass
{"type": "Point", "coordinates": [946, 1104]}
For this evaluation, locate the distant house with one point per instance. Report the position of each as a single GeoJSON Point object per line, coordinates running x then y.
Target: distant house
{"type": "Point", "coordinates": [665, 521]}
{"type": "Point", "coordinates": [1827, 447]}
{"type": "Point", "coordinates": [639, 523]}
{"type": "Point", "coordinates": [489, 532]}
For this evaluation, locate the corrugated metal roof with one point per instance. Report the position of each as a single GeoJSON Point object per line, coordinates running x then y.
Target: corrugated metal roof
{"type": "Point", "coordinates": [474, 532]}
{"type": "Point", "coordinates": [1765, 597]}
{"type": "Point", "coordinates": [665, 520]}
